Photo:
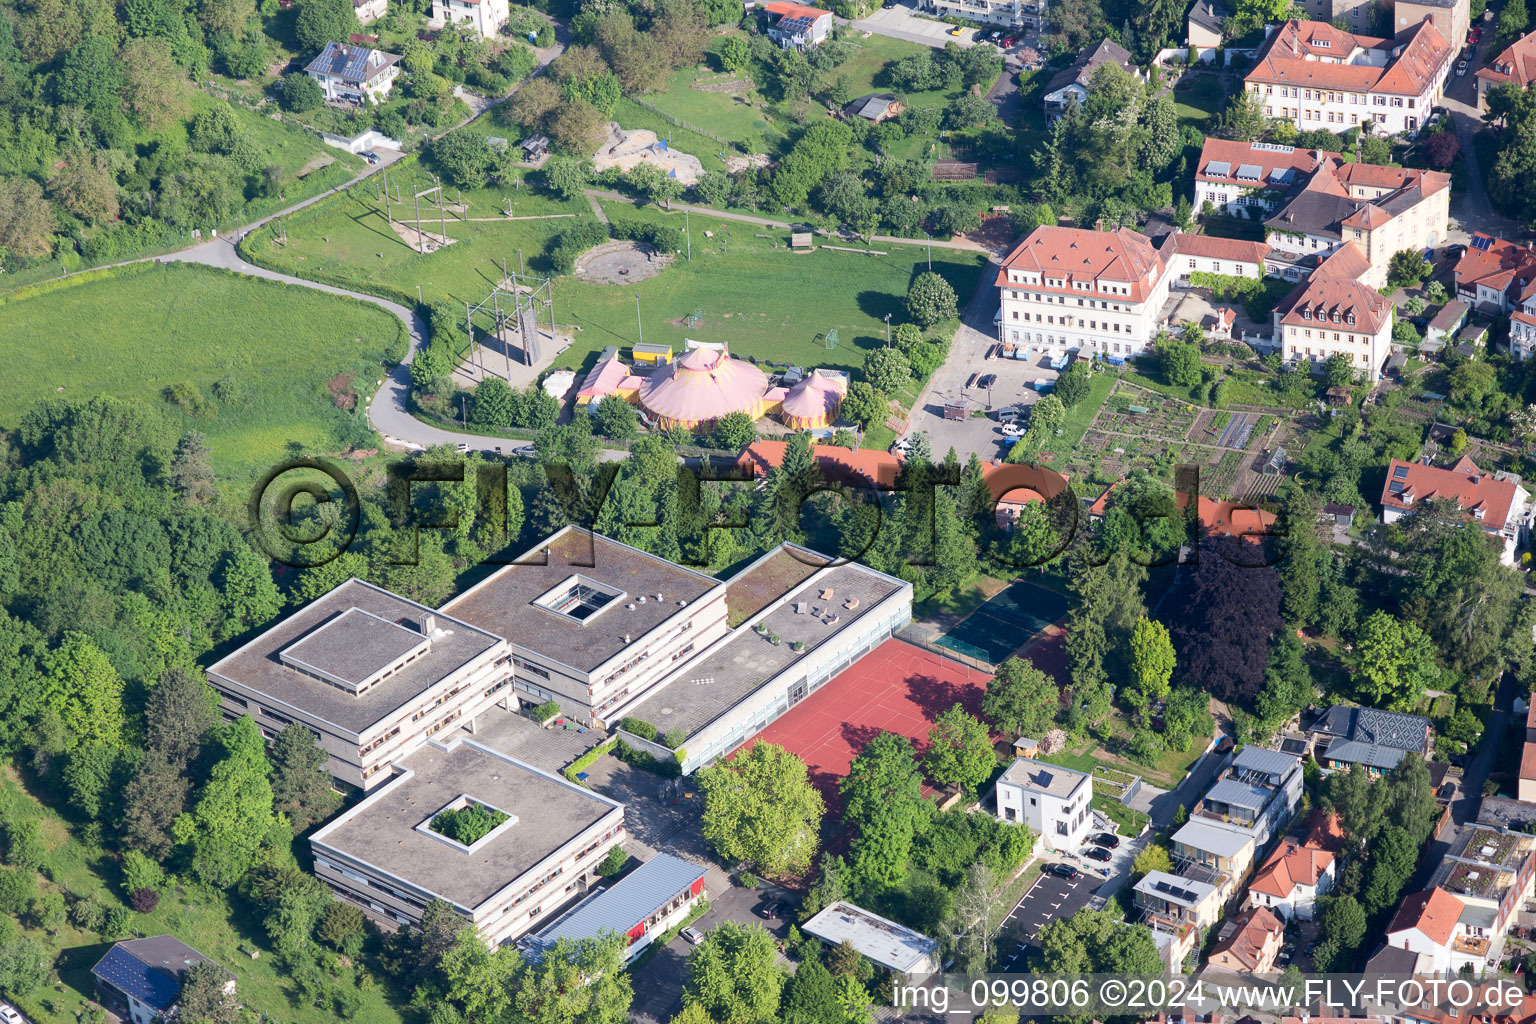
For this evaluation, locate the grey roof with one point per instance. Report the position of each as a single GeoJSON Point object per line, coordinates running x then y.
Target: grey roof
{"type": "Point", "coordinates": [1392, 960]}
{"type": "Point", "coordinates": [1205, 835]}
{"type": "Point", "coordinates": [149, 969]}
{"type": "Point", "coordinates": [871, 106]}
{"type": "Point", "coordinates": [1449, 315]}
{"type": "Point", "coordinates": [353, 647]}
{"type": "Point", "coordinates": [1371, 755]}
{"type": "Point", "coordinates": [1219, 169]}
{"type": "Point", "coordinates": [720, 676]}
{"type": "Point", "coordinates": [1107, 51]}
{"type": "Point", "coordinates": [1043, 778]}
{"type": "Point", "coordinates": [381, 830]}
{"type": "Point", "coordinates": [878, 939]}
{"type": "Point", "coordinates": [1186, 892]}
{"type": "Point", "coordinates": [1238, 794]}
{"type": "Point", "coordinates": [356, 64]}
{"type": "Point", "coordinates": [503, 603]}
{"type": "Point", "coordinates": [1311, 212]}
{"type": "Point", "coordinates": [1370, 736]}
{"type": "Point", "coordinates": [1475, 915]}
{"type": "Point", "coordinates": [1207, 15]}
{"type": "Point", "coordinates": [1250, 172]}
{"type": "Point", "coordinates": [1260, 759]}
{"type": "Point", "coordinates": [636, 897]}
{"type": "Point", "coordinates": [258, 665]}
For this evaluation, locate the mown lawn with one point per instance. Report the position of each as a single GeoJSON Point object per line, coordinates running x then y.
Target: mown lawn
{"type": "Point", "coordinates": [754, 293]}
{"type": "Point", "coordinates": [725, 103]}
{"type": "Point", "coordinates": [207, 921]}
{"type": "Point", "coordinates": [133, 332]}
{"type": "Point", "coordinates": [863, 71]}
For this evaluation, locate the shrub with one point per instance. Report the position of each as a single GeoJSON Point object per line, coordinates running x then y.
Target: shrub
{"type": "Point", "coordinates": [544, 712]}
{"type": "Point", "coordinates": [639, 727]}
{"type": "Point", "coordinates": [674, 738]}
{"type": "Point", "coordinates": [301, 93]}
{"type": "Point", "coordinates": [87, 914]}
{"type": "Point", "coordinates": [141, 872]}
{"type": "Point", "coordinates": [468, 824]}
{"type": "Point", "coordinates": [144, 900]}
{"type": "Point", "coordinates": [186, 397]}
{"type": "Point", "coordinates": [748, 880]}
{"type": "Point", "coordinates": [661, 237]}
{"type": "Point", "coordinates": [565, 246]}
{"type": "Point", "coordinates": [613, 863]}
{"type": "Point", "coordinates": [17, 887]}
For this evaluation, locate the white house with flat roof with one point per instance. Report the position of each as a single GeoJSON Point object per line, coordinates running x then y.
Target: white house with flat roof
{"type": "Point", "coordinates": [878, 939]}
{"type": "Point", "coordinates": [384, 856]}
{"type": "Point", "coordinates": [1056, 803]}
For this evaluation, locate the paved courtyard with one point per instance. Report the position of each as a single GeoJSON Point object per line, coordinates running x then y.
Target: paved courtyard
{"type": "Point", "coordinates": [899, 22]}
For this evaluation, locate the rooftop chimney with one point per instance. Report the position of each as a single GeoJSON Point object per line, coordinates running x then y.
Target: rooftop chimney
{"type": "Point", "coordinates": [1098, 225]}
{"type": "Point", "coordinates": [430, 625]}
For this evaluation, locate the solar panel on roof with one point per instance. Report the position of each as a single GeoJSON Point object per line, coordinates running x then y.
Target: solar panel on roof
{"type": "Point", "coordinates": [130, 975]}
{"type": "Point", "coordinates": [1249, 172]}
{"type": "Point", "coordinates": [1220, 168]}
{"type": "Point", "coordinates": [1482, 242]}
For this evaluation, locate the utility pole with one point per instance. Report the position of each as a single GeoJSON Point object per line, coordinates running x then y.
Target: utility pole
{"type": "Point", "coordinates": [419, 300]}
{"type": "Point", "coordinates": [638, 323]}
{"type": "Point", "coordinates": [887, 330]}
{"type": "Point", "coordinates": [688, 231]}
{"type": "Point", "coordinates": [421, 244]}
{"type": "Point", "coordinates": [442, 213]}
{"type": "Point", "coordinates": [930, 251]}
{"type": "Point", "coordinates": [520, 270]}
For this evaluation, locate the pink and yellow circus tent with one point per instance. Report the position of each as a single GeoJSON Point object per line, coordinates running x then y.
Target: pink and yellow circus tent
{"type": "Point", "coordinates": [701, 386]}
{"type": "Point", "coordinates": [813, 401]}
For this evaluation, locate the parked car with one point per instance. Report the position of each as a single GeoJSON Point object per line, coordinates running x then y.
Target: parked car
{"type": "Point", "coordinates": [1013, 428]}
{"type": "Point", "coordinates": [769, 910]}
{"type": "Point", "coordinates": [1097, 853]}
{"type": "Point", "coordinates": [1454, 252]}
{"type": "Point", "coordinates": [1108, 839]}
{"type": "Point", "coordinates": [526, 451]}
{"type": "Point", "coordinates": [956, 31]}
{"type": "Point", "coordinates": [1066, 871]}
{"type": "Point", "coordinates": [1012, 411]}
{"type": "Point", "coordinates": [692, 936]}
{"type": "Point", "coordinates": [987, 380]}
{"type": "Point", "coordinates": [970, 381]}
{"type": "Point", "coordinates": [1461, 69]}
{"type": "Point", "coordinates": [9, 1015]}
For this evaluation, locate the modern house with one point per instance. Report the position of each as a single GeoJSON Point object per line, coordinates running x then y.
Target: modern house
{"type": "Point", "coordinates": [1071, 84]}
{"type": "Point", "coordinates": [1370, 737]}
{"type": "Point", "coordinates": [1177, 910]}
{"type": "Point", "coordinates": [486, 17]}
{"type": "Point", "coordinates": [1489, 869]}
{"type": "Point", "coordinates": [879, 940]}
{"type": "Point", "coordinates": [1226, 852]}
{"type": "Point", "coordinates": [1256, 795]}
{"type": "Point", "coordinates": [1495, 276]}
{"type": "Point", "coordinates": [384, 855]}
{"type": "Point", "coordinates": [1515, 64]}
{"type": "Point", "coordinates": [1318, 76]}
{"type": "Point", "coordinates": [795, 26]}
{"type": "Point", "coordinates": [1496, 501]}
{"type": "Point", "coordinates": [1249, 943]}
{"type": "Point", "coordinates": [139, 980]}
{"type": "Point", "coordinates": [1056, 803]}
{"type": "Point", "coordinates": [1023, 15]}
{"type": "Point", "coordinates": [354, 74]}
{"type": "Point", "coordinates": [1095, 293]}
{"type": "Point", "coordinates": [644, 904]}
{"type": "Point", "coordinates": [1291, 879]}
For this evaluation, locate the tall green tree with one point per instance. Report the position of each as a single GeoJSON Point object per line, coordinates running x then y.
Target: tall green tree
{"type": "Point", "coordinates": [883, 804]}
{"type": "Point", "coordinates": [734, 975]}
{"type": "Point", "coordinates": [959, 750]}
{"type": "Point", "coordinates": [231, 817]}
{"type": "Point", "coordinates": [84, 690]}
{"type": "Point", "coordinates": [301, 787]}
{"type": "Point", "coordinates": [1021, 699]}
{"type": "Point", "coordinates": [761, 809]}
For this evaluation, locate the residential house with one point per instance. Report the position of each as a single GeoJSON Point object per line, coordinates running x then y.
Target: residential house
{"type": "Point", "coordinates": [1379, 210]}
{"type": "Point", "coordinates": [139, 980]}
{"type": "Point", "coordinates": [1203, 843]}
{"type": "Point", "coordinates": [1447, 321]}
{"type": "Point", "coordinates": [486, 17]}
{"type": "Point", "coordinates": [1214, 518]}
{"type": "Point", "coordinates": [369, 11]}
{"type": "Point", "coordinates": [1236, 177]}
{"type": "Point", "coordinates": [1516, 63]}
{"type": "Point", "coordinates": [795, 26]}
{"type": "Point", "coordinates": [1090, 292]}
{"type": "Point", "coordinates": [354, 74]}
{"type": "Point", "coordinates": [1071, 84]}
{"type": "Point", "coordinates": [1429, 924]}
{"type": "Point", "coordinates": [1291, 879]}
{"type": "Point", "coordinates": [1495, 276]}
{"type": "Point", "coordinates": [879, 940]}
{"type": "Point", "coordinates": [1496, 501]}
{"type": "Point", "coordinates": [1203, 26]}
{"type": "Point", "coordinates": [644, 904]}
{"type": "Point", "coordinates": [1056, 803]}
{"type": "Point", "coordinates": [1370, 737]}
{"type": "Point", "coordinates": [384, 856]}
{"type": "Point", "coordinates": [1332, 313]}
{"type": "Point", "coordinates": [1527, 782]}
{"type": "Point", "coordinates": [1452, 18]}
{"type": "Point", "coordinates": [1489, 869]}
{"type": "Point", "coordinates": [1256, 795]}
{"type": "Point", "coordinates": [876, 107]}
{"type": "Point", "coordinates": [1022, 15]}
{"type": "Point", "coordinates": [1211, 254]}
{"type": "Point", "coordinates": [1177, 910]}
{"type": "Point", "coordinates": [1249, 943]}
{"type": "Point", "coordinates": [1318, 76]}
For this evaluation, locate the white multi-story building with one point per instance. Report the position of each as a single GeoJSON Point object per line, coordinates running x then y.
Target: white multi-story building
{"type": "Point", "coordinates": [1090, 292]}
{"type": "Point", "coordinates": [1334, 312]}
{"type": "Point", "coordinates": [1017, 14]}
{"type": "Point", "coordinates": [354, 74]}
{"type": "Point", "coordinates": [484, 16]}
{"type": "Point", "coordinates": [1056, 803]}
{"type": "Point", "coordinates": [1318, 76]}
{"type": "Point", "coordinates": [1250, 178]}
{"type": "Point", "coordinates": [1496, 501]}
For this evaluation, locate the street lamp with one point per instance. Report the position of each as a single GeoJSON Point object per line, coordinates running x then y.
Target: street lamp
{"type": "Point", "coordinates": [638, 324]}
{"type": "Point", "coordinates": [887, 330]}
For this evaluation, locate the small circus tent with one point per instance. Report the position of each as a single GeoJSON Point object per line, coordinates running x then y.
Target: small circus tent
{"type": "Point", "coordinates": [703, 385]}
{"type": "Point", "coordinates": [813, 401]}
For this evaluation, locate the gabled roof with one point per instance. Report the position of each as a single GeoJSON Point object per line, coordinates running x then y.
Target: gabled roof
{"type": "Point", "coordinates": [1217, 248]}
{"type": "Point", "coordinates": [1106, 52]}
{"type": "Point", "coordinates": [1310, 54]}
{"type": "Point", "coordinates": [1207, 15]}
{"type": "Point", "coordinates": [1292, 864]}
{"type": "Point", "coordinates": [357, 64]}
{"type": "Point", "coordinates": [1495, 263]}
{"type": "Point", "coordinates": [1346, 261]}
{"type": "Point", "coordinates": [149, 969]}
{"type": "Point", "coordinates": [1473, 489]}
{"type": "Point", "coordinates": [1434, 912]}
{"type": "Point", "coordinates": [1278, 166]}
{"type": "Point", "coordinates": [786, 9]}
{"type": "Point", "coordinates": [1247, 935]}
{"type": "Point", "coordinates": [1517, 63]}
{"type": "Point", "coordinates": [1335, 303]}
{"type": "Point", "coordinates": [1079, 256]}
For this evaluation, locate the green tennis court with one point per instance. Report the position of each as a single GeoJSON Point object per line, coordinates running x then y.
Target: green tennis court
{"type": "Point", "coordinates": [1005, 623]}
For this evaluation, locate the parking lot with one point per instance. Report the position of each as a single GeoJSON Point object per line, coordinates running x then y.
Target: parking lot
{"type": "Point", "coordinates": [1049, 898]}
{"type": "Point", "coordinates": [899, 22]}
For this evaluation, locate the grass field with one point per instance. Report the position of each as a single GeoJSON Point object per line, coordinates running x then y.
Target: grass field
{"type": "Point", "coordinates": [132, 332]}
{"type": "Point", "coordinates": [754, 293]}
{"type": "Point", "coordinates": [1200, 102]}
{"type": "Point", "coordinates": [732, 114]}
{"type": "Point", "coordinates": [206, 921]}
{"type": "Point", "coordinates": [863, 71]}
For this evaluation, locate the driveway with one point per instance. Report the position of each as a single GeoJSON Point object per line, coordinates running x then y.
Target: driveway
{"type": "Point", "coordinates": [1472, 210]}
{"type": "Point", "coordinates": [900, 22]}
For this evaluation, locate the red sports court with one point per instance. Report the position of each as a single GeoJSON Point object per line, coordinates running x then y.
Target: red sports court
{"type": "Point", "coordinates": [897, 687]}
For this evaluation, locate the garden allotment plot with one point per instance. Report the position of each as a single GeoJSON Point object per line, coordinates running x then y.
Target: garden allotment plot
{"type": "Point", "coordinates": [1005, 623]}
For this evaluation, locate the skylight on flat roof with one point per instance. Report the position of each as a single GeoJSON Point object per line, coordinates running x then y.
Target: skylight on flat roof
{"type": "Point", "coordinates": [579, 598]}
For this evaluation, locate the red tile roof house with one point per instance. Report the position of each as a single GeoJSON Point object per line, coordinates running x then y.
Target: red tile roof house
{"type": "Point", "coordinates": [1292, 879]}
{"type": "Point", "coordinates": [1250, 175]}
{"type": "Point", "coordinates": [1496, 501]}
{"type": "Point", "coordinates": [1516, 64]}
{"type": "Point", "coordinates": [1332, 312]}
{"type": "Point", "coordinates": [1428, 923]}
{"type": "Point", "coordinates": [1249, 943]}
{"type": "Point", "coordinates": [1318, 76]}
{"type": "Point", "coordinates": [1495, 276]}
{"type": "Point", "coordinates": [796, 26]}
